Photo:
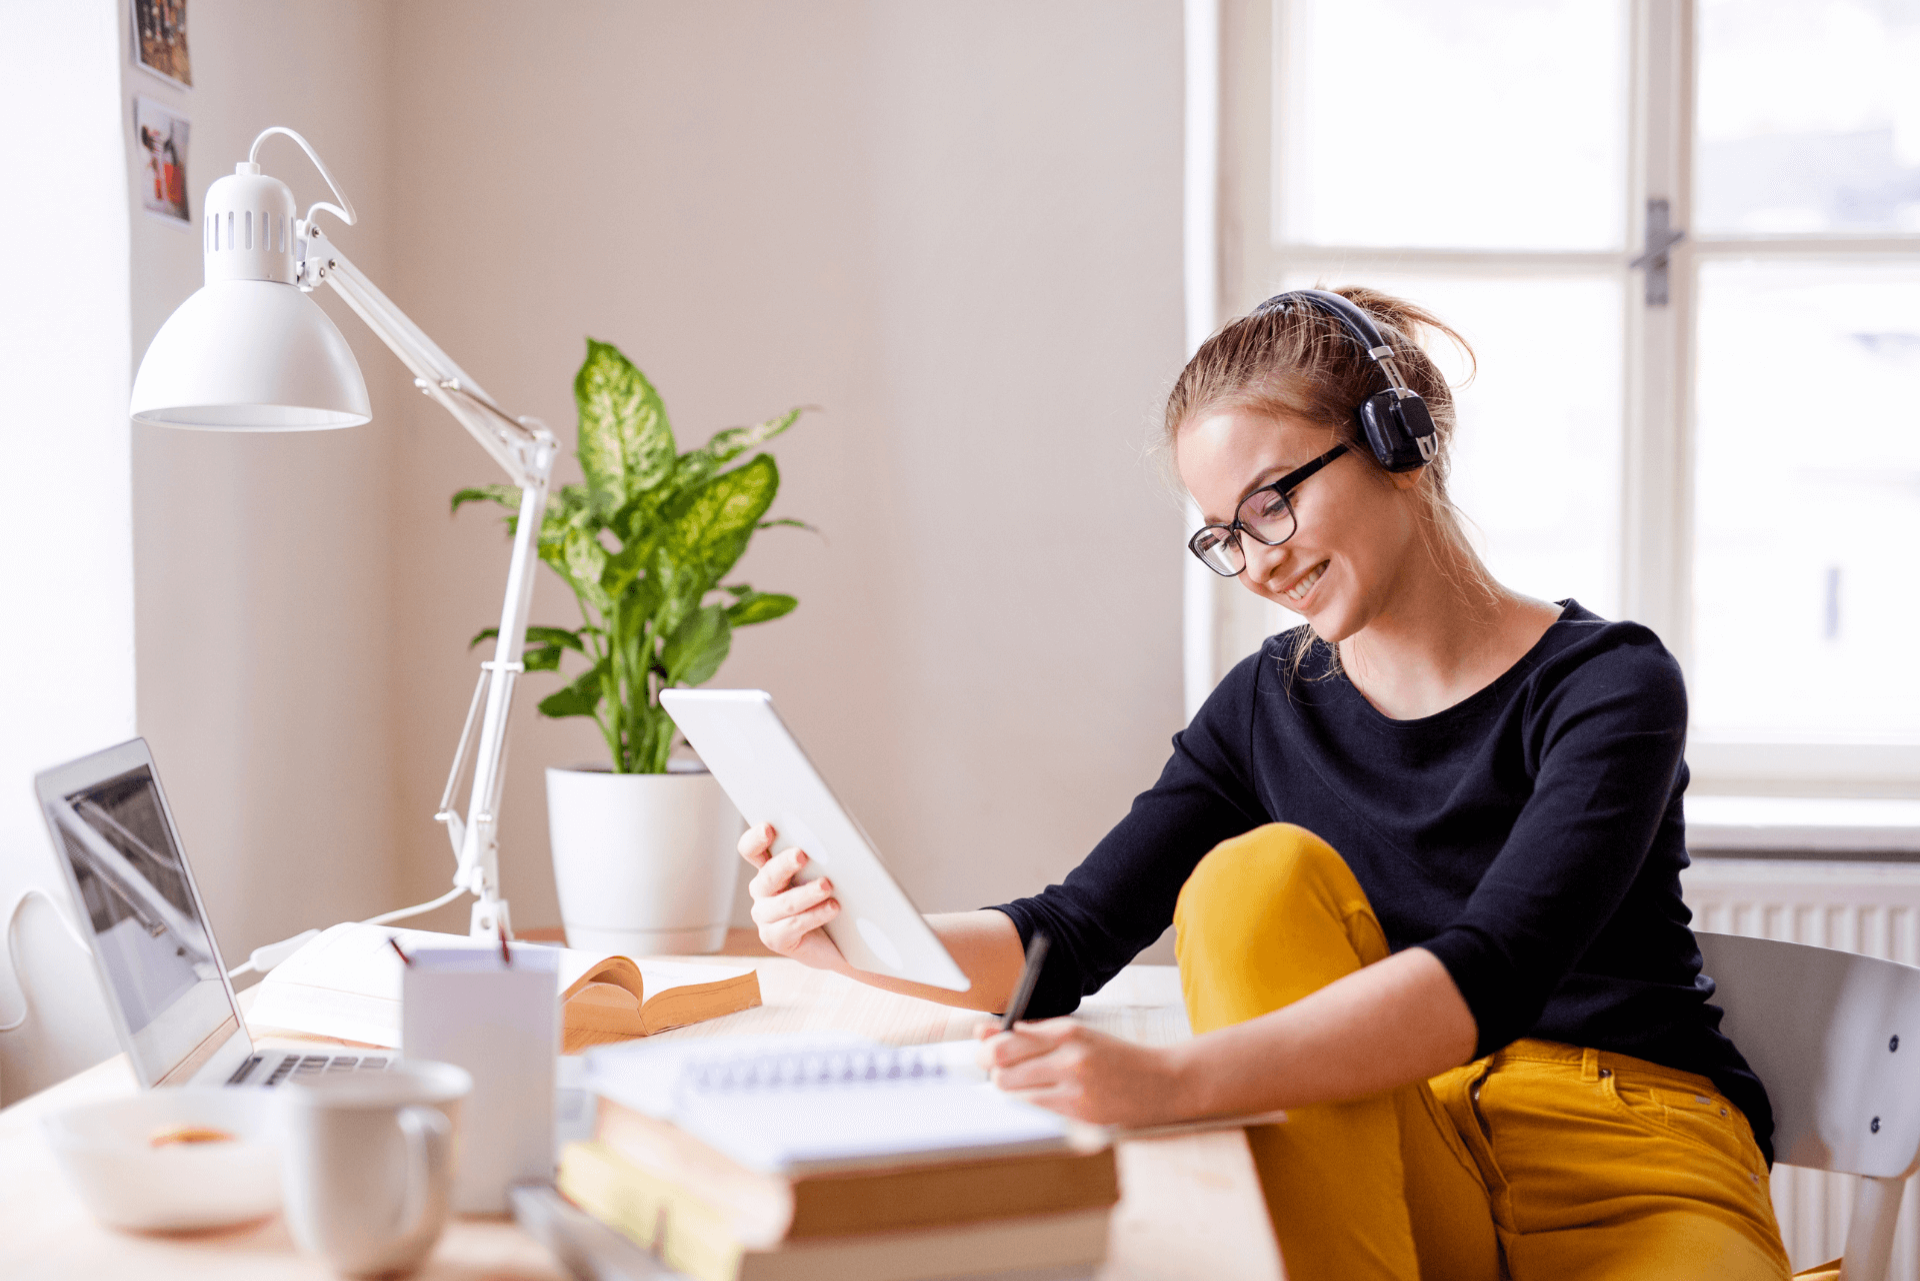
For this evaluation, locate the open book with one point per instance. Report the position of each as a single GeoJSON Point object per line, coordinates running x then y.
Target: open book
{"type": "Point", "coordinates": [346, 984]}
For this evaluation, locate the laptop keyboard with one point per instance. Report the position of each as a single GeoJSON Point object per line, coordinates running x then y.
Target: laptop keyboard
{"type": "Point", "coordinates": [307, 1066]}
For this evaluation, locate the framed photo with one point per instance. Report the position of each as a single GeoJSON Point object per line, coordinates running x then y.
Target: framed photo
{"type": "Point", "coordinates": [162, 135]}
{"type": "Point", "coordinates": [160, 39]}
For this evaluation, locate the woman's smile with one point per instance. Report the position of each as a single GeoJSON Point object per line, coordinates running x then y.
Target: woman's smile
{"type": "Point", "coordinates": [1300, 588]}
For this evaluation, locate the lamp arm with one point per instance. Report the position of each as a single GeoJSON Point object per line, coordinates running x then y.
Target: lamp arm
{"type": "Point", "coordinates": [526, 450]}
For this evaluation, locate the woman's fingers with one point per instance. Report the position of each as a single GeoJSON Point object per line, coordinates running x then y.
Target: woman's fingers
{"type": "Point", "coordinates": [756, 844]}
{"type": "Point", "coordinates": [776, 874]}
{"type": "Point", "coordinates": [787, 912]}
{"type": "Point", "coordinates": [784, 935]}
{"type": "Point", "coordinates": [1026, 1042]}
{"type": "Point", "coordinates": [800, 898]}
{"type": "Point", "coordinates": [1084, 1074]}
{"type": "Point", "coordinates": [1058, 1068]}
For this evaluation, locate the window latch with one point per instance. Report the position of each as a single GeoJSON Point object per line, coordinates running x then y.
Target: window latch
{"type": "Point", "coordinates": [1661, 236]}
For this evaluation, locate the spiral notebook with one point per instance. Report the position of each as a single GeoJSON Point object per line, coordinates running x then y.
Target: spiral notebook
{"type": "Point", "coordinates": [789, 1105]}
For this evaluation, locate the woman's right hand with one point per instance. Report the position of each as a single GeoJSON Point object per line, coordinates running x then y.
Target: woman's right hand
{"type": "Point", "coordinates": [790, 915]}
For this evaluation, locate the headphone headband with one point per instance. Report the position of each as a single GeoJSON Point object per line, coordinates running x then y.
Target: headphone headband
{"type": "Point", "coordinates": [1395, 423]}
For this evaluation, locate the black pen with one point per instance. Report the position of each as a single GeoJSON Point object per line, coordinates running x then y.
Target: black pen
{"type": "Point", "coordinates": [1029, 978]}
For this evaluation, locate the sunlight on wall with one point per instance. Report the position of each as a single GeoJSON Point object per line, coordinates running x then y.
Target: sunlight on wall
{"type": "Point", "coordinates": [66, 554]}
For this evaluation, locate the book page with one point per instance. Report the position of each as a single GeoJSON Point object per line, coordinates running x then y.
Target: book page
{"type": "Point", "coordinates": [664, 976]}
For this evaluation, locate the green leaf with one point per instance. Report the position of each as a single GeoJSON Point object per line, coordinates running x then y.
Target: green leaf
{"type": "Point", "coordinates": [679, 587]}
{"type": "Point", "coordinates": [544, 659]}
{"type": "Point", "coordinates": [586, 561]}
{"type": "Point", "coordinates": [555, 638]}
{"type": "Point", "coordinates": [654, 742]}
{"type": "Point", "coordinates": [623, 567]}
{"type": "Point", "coordinates": [626, 445]}
{"type": "Point", "coordinates": [695, 650]}
{"type": "Point", "coordinates": [787, 521]}
{"type": "Point", "coordinates": [759, 607]}
{"type": "Point", "coordinates": [698, 464]}
{"type": "Point", "coordinates": [537, 635]}
{"type": "Point", "coordinates": [507, 496]}
{"type": "Point", "coordinates": [577, 699]}
{"type": "Point", "coordinates": [711, 526]}
{"type": "Point", "coordinates": [570, 506]}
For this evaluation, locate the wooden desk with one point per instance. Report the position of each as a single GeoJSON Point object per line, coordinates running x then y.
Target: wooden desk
{"type": "Point", "coordinates": [1191, 1207]}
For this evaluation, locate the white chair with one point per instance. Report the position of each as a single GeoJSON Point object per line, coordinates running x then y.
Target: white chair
{"type": "Point", "coordinates": [1835, 1038]}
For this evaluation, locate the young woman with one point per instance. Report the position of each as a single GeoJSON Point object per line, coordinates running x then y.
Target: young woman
{"type": "Point", "coordinates": [1422, 856]}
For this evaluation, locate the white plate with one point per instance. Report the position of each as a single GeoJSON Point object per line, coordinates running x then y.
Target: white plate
{"type": "Point", "coordinates": [107, 1152]}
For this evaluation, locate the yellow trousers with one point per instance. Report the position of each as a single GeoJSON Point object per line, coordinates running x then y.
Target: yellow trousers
{"type": "Point", "coordinates": [1542, 1162]}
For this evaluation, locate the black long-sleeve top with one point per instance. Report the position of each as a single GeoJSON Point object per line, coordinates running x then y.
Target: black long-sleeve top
{"type": "Point", "coordinates": [1530, 837]}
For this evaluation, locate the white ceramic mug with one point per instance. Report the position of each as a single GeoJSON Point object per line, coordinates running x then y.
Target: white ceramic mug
{"type": "Point", "coordinates": [368, 1163]}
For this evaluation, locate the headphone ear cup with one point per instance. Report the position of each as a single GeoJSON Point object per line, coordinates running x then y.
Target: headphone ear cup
{"type": "Point", "coordinates": [1399, 430]}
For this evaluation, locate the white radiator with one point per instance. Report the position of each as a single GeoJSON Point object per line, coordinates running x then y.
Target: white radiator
{"type": "Point", "coordinates": [1869, 908]}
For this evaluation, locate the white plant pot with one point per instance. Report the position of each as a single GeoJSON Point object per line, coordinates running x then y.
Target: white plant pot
{"type": "Point", "coordinates": [646, 864]}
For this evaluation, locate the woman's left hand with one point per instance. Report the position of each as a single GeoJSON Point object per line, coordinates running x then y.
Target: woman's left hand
{"type": "Point", "coordinates": [1087, 1075]}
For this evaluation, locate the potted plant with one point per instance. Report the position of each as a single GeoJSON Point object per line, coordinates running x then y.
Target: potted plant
{"type": "Point", "coordinates": [643, 850]}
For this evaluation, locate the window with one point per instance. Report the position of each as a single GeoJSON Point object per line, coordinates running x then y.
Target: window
{"type": "Point", "coordinates": [1713, 435]}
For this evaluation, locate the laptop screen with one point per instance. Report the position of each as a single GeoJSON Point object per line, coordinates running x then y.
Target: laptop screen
{"type": "Point", "coordinates": [155, 951]}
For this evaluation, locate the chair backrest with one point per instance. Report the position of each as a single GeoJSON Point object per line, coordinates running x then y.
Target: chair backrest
{"type": "Point", "coordinates": [1835, 1038]}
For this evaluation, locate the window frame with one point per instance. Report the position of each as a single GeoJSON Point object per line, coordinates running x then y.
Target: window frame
{"type": "Point", "coordinates": [1655, 549]}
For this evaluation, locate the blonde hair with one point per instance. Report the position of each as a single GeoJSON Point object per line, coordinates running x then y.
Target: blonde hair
{"type": "Point", "coordinates": [1297, 362]}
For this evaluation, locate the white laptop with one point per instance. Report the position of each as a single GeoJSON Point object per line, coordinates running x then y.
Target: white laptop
{"type": "Point", "coordinates": [159, 967]}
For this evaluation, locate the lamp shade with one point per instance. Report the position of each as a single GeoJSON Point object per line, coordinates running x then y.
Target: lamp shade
{"type": "Point", "coordinates": [250, 351]}
{"type": "Point", "coordinates": [250, 355]}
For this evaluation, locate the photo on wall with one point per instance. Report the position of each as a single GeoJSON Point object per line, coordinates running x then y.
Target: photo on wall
{"type": "Point", "coordinates": [160, 39]}
{"type": "Point", "coordinates": [163, 141]}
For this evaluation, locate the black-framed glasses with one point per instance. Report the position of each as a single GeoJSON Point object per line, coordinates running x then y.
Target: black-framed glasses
{"type": "Point", "coordinates": [1265, 515]}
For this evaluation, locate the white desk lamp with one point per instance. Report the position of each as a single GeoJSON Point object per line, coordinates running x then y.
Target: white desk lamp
{"type": "Point", "coordinates": [251, 352]}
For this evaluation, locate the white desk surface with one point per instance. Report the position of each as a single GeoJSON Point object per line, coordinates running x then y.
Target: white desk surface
{"type": "Point", "coordinates": [1190, 1208]}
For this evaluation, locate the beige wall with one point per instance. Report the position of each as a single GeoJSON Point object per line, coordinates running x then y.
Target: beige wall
{"type": "Point", "coordinates": [262, 561]}
{"type": "Point", "coordinates": [953, 225]}
{"type": "Point", "coordinates": [66, 558]}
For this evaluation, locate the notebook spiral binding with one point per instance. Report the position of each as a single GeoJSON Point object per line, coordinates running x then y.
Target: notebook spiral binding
{"type": "Point", "coordinates": [818, 1068]}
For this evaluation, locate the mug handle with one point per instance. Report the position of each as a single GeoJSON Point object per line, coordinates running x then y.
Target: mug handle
{"type": "Point", "coordinates": [429, 1139]}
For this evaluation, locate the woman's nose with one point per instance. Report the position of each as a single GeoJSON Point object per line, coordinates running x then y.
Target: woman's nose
{"type": "Point", "coordinates": [1262, 561]}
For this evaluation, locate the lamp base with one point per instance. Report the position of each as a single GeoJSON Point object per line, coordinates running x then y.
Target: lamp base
{"type": "Point", "coordinates": [490, 920]}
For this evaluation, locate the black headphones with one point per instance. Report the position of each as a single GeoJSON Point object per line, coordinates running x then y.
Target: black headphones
{"type": "Point", "coordinates": [1395, 422]}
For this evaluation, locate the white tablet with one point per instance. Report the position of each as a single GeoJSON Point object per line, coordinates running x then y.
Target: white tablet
{"type": "Point", "coordinates": [770, 780]}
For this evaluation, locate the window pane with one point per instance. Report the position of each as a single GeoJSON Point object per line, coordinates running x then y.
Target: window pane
{"type": "Point", "coordinates": [1536, 462]}
{"type": "Point", "coordinates": [1809, 116]}
{"type": "Point", "coordinates": [1469, 124]}
{"type": "Point", "coordinates": [1807, 501]}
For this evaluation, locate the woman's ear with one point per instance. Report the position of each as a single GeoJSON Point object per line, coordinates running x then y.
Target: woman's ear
{"type": "Point", "coordinates": [1408, 479]}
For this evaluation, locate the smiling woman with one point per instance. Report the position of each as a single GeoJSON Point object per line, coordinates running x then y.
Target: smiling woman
{"type": "Point", "coordinates": [1422, 857]}
{"type": "Point", "coordinates": [1309, 377]}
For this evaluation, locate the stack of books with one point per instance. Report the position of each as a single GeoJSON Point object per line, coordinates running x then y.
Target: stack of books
{"type": "Point", "coordinates": [763, 1159]}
